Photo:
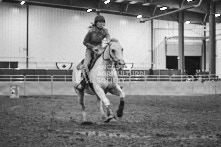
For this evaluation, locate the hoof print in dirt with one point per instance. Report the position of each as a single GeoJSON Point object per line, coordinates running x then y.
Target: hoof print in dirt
{"type": "Point", "coordinates": [87, 123]}
{"type": "Point", "coordinates": [218, 135]}
{"type": "Point", "coordinates": [72, 119]}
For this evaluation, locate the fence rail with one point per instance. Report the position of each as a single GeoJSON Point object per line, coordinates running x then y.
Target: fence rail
{"type": "Point", "coordinates": [68, 78]}
{"type": "Point", "coordinates": [37, 78]}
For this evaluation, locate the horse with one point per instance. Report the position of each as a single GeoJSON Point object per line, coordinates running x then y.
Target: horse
{"type": "Point", "coordinates": [103, 78]}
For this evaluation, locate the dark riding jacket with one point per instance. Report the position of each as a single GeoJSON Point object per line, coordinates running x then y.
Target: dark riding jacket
{"type": "Point", "coordinates": [95, 36]}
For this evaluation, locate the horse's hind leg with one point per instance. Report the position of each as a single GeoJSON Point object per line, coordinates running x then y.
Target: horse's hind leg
{"type": "Point", "coordinates": [82, 103]}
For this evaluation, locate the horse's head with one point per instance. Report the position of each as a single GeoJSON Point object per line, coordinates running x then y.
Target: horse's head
{"type": "Point", "coordinates": [116, 52]}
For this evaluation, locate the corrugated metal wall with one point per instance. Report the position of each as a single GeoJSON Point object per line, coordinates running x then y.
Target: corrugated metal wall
{"type": "Point", "coordinates": [218, 50]}
{"type": "Point", "coordinates": [134, 37]}
{"type": "Point", "coordinates": [56, 35]}
{"type": "Point", "coordinates": [12, 32]}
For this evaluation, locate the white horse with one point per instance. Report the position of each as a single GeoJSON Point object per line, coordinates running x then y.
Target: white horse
{"type": "Point", "coordinates": [103, 79]}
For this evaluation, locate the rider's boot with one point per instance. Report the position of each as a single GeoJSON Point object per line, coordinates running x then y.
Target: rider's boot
{"type": "Point", "coordinates": [86, 73]}
{"type": "Point", "coordinates": [81, 85]}
{"type": "Point", "coordinates": [85, 80]}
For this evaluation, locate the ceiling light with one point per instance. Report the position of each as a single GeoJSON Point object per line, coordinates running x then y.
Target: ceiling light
{"type": "Point", "coordinates": [107, 1]}
{"type": "Point", "coordinates": [146, 4]}
{"type": "Point", "coordinates": [119, 1]}
{"type": "Point", "coordinates": [139, 16]}
{"type": "Point", "coordinates": [22, 3]}
{"type": "Point", "coordinates": [133, 2]}
{"type": "Point", "coordinates": [89, 10]}
{"type": "Point", "coordinates": [217, 15]}
{"type": "Point", "coordinates": [187, 22]}
{"type": "Point", "coordinates": [189, 0]}
{"type": "Point", "coordinates": [163, 8]}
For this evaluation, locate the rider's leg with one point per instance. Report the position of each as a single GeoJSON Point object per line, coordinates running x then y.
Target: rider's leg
{"type": "Point", "coordinates": [87, 60]}
{"type": "Point", "coordinates": [88, 57]}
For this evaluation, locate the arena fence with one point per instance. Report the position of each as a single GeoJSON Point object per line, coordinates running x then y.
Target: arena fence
{"type": "Point", "coordinates": [123, 78]}
{"type": "Point", "coordinates": [132, 84]}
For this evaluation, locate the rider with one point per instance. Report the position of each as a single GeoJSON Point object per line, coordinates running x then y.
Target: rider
{"type": "Point", "coordinates": [93, 41]}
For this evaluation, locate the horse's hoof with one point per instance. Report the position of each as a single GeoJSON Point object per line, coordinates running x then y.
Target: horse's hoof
{"type": "Point", "coordinates": [87, 123]}
{"type": "Point", "coordinates": [119, 113]}
{"type": "Point", "coordinates": [110, 118]}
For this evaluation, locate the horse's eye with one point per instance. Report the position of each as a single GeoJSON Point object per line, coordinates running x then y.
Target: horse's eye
{"type": "Point", "coordinates": [113, 51]}
{"type": "Point", "coordinates": [122, 49]}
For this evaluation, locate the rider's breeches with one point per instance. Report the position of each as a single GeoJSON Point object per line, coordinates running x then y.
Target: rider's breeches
{"type": "Point", "coordinates": [87, 60]}
{"type": "Point", "coordinates": [88, 57]}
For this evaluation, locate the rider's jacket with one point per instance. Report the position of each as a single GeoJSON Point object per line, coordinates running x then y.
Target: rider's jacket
{"type": "Point", "coordinates": [95, 36]}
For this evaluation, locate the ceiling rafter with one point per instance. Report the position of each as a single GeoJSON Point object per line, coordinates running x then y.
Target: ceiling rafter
{"type": "Point", "coordinates": [181, 5]}
{"type": "Point", "coordinates": [147, 8]}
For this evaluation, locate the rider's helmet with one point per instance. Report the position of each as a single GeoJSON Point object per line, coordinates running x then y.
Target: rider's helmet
{"type": "Point", "coordinates": [99, 18]}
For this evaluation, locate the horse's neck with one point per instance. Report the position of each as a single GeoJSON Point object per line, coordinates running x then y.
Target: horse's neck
{"type": "Point", "coordinates": [106, 54]}
{"type": "Point", "coordinates": [104, 61]}
{"type": "Point", "coordinates": [107, 57]}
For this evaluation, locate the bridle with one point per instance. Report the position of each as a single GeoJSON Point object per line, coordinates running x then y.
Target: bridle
{"type": "Point", "coordinates": [111, 57]}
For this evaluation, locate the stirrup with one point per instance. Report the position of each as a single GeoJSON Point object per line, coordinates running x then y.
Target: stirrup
{"type": "Point", "coordinates": [81, 85]}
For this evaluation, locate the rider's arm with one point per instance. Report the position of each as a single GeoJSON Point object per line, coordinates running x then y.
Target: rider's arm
{"type": "Point", "coordinates": [86, 41]}
{"type": "Point", "coordinates": [107, 35]}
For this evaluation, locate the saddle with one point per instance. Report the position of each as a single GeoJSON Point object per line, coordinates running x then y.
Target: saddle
{"type": "Point", "coordinates": [85, 78]}
{"type": "Point", "coordinates": [80, 65]}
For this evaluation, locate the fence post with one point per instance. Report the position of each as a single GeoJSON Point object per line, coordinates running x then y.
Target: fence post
{"type": "Point", "coordinates": [24, 85]}
{"type": "Point", "coordinates": [130, 80]}
{"type": "Point", "coordinates": [145, 80]}
{"type": "Point", "coordinates": [51, 85]}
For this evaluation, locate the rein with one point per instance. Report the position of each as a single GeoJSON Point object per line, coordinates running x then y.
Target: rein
{"type": "Point", "coordinates": [111, 57]}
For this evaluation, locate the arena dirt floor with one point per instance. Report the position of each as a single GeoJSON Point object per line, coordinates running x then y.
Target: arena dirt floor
{"type": "Point", "coordinates": [148, 121]}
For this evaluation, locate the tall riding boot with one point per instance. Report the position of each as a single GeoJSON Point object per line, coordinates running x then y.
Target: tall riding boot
{"type": "Point", "coordinates": [81, 85]}
{"type": "Point", "coordinates": [86, 74]}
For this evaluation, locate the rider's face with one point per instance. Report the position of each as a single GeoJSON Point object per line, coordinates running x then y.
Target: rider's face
{"type": "Point", "coordinates": [100, 24]}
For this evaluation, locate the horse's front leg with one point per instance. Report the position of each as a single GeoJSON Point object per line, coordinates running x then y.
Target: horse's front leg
{"type": "Point", "coordinates": [100, 107]}
{"type": "Point", "coordinates": [101, 94]}
{"type": "Point", "coordinates": [116, 90]}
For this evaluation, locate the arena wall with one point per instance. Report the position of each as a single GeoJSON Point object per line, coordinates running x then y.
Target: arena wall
{"type": "Point", "coordinates": [130, 88]}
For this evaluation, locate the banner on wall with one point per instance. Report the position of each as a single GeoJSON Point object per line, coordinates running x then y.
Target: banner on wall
{"type": "Point", "coordinates": [64, 65]}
